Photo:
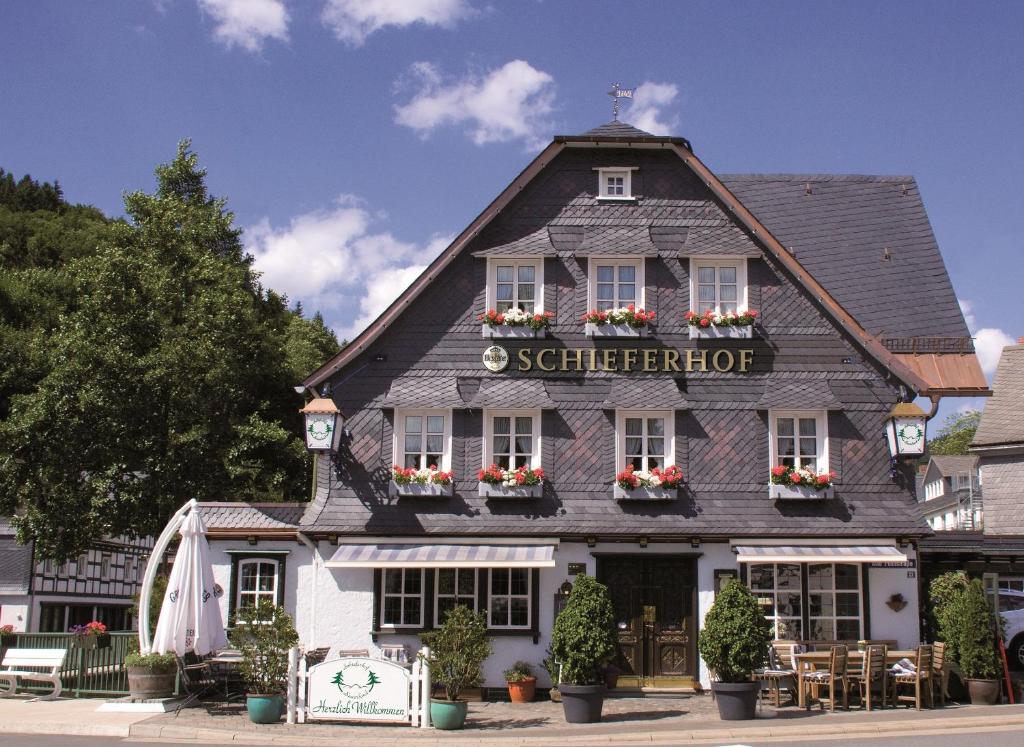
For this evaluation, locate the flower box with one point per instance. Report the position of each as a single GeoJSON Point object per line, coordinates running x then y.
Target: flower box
{"type": "Point", "coordinates": [645, 493]}
{"type": "Point", "coordinates": [718, 333]}
{"type": "Point", "coordinates": [489, 490]}
{"type": "Point", "coordinates": [800, 492]}
{"type": "Point", "coordinates": [505, 331]}
{"type": "Point", "coordinates": [93, 641]}
{"type": "Point", "coordinates": [613, 330]}
{"type": "Point", "coordinates": [416, 489]}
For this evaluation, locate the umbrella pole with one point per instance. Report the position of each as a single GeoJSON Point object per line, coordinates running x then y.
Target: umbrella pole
{"type": "Point", "coordinates": [155, 558]}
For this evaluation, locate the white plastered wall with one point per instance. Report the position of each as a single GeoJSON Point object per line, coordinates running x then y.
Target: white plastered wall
{"type": "Point", "coordinates": [14, 610]}
{"type": "Point", "coordinates": [886, 623]}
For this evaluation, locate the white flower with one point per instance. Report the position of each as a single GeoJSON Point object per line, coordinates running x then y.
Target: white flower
{"type": "Point", "coordinates": [516, 317]}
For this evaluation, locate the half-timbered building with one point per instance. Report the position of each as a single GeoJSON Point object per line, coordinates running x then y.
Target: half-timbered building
{"type": "Point", "coordinates": [855, 313]}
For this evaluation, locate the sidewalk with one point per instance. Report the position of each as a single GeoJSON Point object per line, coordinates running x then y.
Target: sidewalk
{"type": "Point", "coordinates": [650, 721]}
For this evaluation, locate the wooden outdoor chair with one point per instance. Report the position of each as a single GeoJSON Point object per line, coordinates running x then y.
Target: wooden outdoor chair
{"type": "Point", "coordinates": [780, 673]}
{"type": "Point", "coordinates": [940, 673]}
{"type": "Point", "coordinates": [921, 678]}
{"type": "Point", "coordinates": [871, 671]}
{"type": "Point", "coordinates": [834, 677]}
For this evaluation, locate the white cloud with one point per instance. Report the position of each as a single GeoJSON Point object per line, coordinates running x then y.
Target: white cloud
{"type": "Point", "coordinates": [247, 23]}
{"type": "Point", "coordinates": [988, 341]}
{"type": "Point", "coordinates": [352, 21]}
{"type": "Point", "coordinates": [505, 104]}
{"type": "Point", "coordinates": [646, 112]}
{"type": "Point", "coordinates": [335, 262]}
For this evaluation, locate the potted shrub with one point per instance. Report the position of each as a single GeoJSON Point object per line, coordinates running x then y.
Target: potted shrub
{"type": "Point", "coordinates": [458, 650]}
{"type": "Point", "coordinates": [583, 640]}
{"type": "Point", "coordinates": [92, 635]}
{"type": "Point", "coordinates": [552, 667]}
{"type": "Point", "coordinates": [941, 592]}
{"type": "Point", "coordinates": [969, 621]}
{"type": "Point", "coordinates": [522, 685]}
{"type": "Point", "coordinates": [150, 676]}
{"type": "Point", "coordinates": [733, 643]}
{"type": "Point", "coordinates": [263, 635]}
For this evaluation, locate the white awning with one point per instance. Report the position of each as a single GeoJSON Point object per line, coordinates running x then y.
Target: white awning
{"type": "Point", "coordinates": [386, 555]}
{"type": "Point", "coordinates": [819, 554]}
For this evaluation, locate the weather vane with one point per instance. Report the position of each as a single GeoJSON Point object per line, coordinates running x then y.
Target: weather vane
{"type": "Point", "coordinates": [618, 93]}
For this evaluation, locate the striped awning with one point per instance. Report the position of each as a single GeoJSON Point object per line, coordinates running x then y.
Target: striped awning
{"type": "Point", "coordinates": [387, 555]}
{"type": "Point", "coordinates": [819, 554]}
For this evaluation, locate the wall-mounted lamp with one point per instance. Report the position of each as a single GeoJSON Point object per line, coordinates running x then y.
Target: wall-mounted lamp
{"type": "Point", "coordinates": [695, 542]}
{"type": "Point", "coordinates": [251, 539]}
{"type": "Point", "coordinates": [643, 542]}
{"type": "Point", "coordinates": [591, 541]}
{"type": "Point", "coordinates": [565, 589]}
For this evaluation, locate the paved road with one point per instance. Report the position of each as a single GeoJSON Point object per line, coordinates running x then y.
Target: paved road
{"type": "Point", "coordinates": [994, 738]}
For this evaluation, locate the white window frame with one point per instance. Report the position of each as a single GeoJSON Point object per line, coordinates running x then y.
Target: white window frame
{"type": "Point", "coordinates": [636, 262]}
{"type": "Point", "coordinates": [742, 292]}
{"type": "Point", "coordinates": [774, 593]}
{"type": "Point", "coordinates": [510, 596]}
{"type": "Point", "coordinates": [399, 440]}
{"type": "Point", "coordinates": [821, 434]}
{"type": "Point", "coordinates": [626, 172]}
{"type": "Point", "coordinates": [835, 618]}
{"type": "Point", "coordinates": [456, 596]}
{"type": "Point", "coordinates": [384, 595]}
{"type": "Point", "coordinates": [538, 279]}
{"type": "Point", "coordinates": [488, 450]}
{"type": "Point", "coordinates": [620, 434]}
{"type": "Point", "coordinates": [256, 594]}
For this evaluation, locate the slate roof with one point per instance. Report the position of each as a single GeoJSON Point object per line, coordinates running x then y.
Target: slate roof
{"type": "Point", "coordinates": [616, 128]}
{"type": "Point", "coordinates": [952, 464]}
{"type": "Point", "coordinates": [1002, 420]}
{"type": "Point", "coordinates": [647, 392]}
{"type": "Point", "coordinates": [512, 394]}
{"type": "Point", "coordinates": [611, 241]}
{"type": "Point", "coordinates": [422, 391]}
{"type": "Point", "coordinates": [537, 243]}
{"type": "Point", "coordinates": [802, 394]}
{"type": "Point", "coordinates": [839, 226]}
{"type": "Point", "coordinates": [255, 516]}
{"type": "Point", "coordinates": [719, 240]}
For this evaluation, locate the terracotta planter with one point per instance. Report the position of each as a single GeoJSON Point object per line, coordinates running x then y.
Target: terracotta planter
{"type": "Point", "coordinates": [522, 691]}
{"type": "Point", "coordinates": [983, 692]}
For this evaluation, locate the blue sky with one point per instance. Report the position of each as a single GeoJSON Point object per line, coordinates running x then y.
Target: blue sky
{"type": "Point", "coordinates": [352, 137]}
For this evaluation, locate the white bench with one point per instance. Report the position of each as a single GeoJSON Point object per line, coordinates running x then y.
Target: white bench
{"type": "Point", "coordinates": [15, 664]}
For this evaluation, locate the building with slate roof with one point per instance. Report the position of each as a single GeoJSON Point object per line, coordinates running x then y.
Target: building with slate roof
{"type": "Point", "coordinates": [43, 596]}
{"type": "Point", "coordinates": [950, 494]}
{"type": "Point", "coordinates": [617, 218]}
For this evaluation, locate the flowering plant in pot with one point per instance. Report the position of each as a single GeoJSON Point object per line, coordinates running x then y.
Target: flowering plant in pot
{"type": "Point", "coordinates": [800, 483]}
{"type": "Point", "coordinates": [150, 676]}
{"type": "Point", "coordinates": [523, 481]}
{"type": "Point", "coordinates": [516, 318]}
{"type": "Point", "coordinates": [728, 319]}
{"type": "Point", "coordinates": [733, 643]}
{"type": "Point", "coordinates": [263, 634]}
{"type": "Point", "coordinates": [969, 621]}
{"type": "Point", "coordinates": [91, 635]}
{"type": "Point", "coordinates": [521, 683]}
{"type": "Point", "coordinates": [429, 476]}
{"type": "Point", "coordinates": [583, 641]}
{"type": "Point", "coordinates": [458, 650]}
{"type": "Point", "coordinates": [629, 316]}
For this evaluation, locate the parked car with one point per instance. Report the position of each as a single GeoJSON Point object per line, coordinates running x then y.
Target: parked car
{"type": "Point", "coordinates": [1011, 605]}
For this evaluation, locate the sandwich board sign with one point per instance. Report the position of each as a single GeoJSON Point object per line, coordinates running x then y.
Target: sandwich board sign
{"type": "Point", "coordinates": [359, 689]}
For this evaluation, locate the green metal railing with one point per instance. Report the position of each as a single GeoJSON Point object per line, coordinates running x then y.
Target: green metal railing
{"type": "Point", "coordinates": [86, 671]}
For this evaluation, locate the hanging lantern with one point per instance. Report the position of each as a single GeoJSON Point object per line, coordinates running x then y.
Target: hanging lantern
{"type": "Point", "coordinates": [905, 430]}
{"type": "Point", "coordinates": [323, 425]}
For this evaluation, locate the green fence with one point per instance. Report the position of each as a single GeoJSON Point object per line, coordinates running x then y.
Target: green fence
{"type": "Point", "coordinates": [87, 671]}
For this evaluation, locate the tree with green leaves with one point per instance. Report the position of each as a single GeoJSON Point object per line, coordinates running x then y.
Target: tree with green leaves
{"type": "Point", "coordinates": [956, 434]}
{"type": "Point", "coordinates": [166, 373]}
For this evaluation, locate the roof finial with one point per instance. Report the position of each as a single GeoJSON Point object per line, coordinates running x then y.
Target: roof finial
{"type": "Point", "coordinates": [618, 93]}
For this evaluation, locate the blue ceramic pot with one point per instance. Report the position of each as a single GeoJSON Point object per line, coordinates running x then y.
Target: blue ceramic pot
{"type": "Point", "coordinates": [264, 709]}
{"type": "Point", "coordinates": [448, 714]}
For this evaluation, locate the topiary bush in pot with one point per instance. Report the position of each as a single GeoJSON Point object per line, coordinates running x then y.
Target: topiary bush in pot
{"type": "Point", "coordinates": [458, 650]}
{"type": "Point", "coordinates": [733, 643]}
{"type": "Point", "coordinates": [969, 620]}
{"type": "Point", "coordinates": [942, 591]}
{"type": "Point", "coordinates": [583, 640]}
{"type": "Point", "coordinates": [263, 634]}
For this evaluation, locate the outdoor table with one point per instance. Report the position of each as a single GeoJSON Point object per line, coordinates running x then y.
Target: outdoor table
{"type": "Point", "coordinates": [225, 664]}
{"type": "Point", "coordinates": [811, 660]}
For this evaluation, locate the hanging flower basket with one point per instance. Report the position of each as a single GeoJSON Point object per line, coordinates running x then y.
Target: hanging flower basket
{"type": "Point", "coordinates": [514, 323]}
{"type": "Point", "coordinates": [627, 321]}
{"type": "Point", "coordinates": [523, 482]}
{"type": "Point", "coordinates": [656, 485]}
{"type": "Point", "coordinates": [410, 481]}
{"type": "Point", "coordinates": [92, 635]}
{"type": "Point", "coordinates": [710, 325]}
{"type": "Point", "coordinates": [789, 483]}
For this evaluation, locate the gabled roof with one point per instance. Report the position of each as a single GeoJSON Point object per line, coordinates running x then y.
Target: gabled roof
{"type": "Point", "coordinates": [948, 465]}
{"type": "Point", "coordinates": [1002, 420]}
{"type": "Point", "coordinates": [622, 135]}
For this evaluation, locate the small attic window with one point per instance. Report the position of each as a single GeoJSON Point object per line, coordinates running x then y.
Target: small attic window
{"type": "Point", "coordinates": [615, 183]}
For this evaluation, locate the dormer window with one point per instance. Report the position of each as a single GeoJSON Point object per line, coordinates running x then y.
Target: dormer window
{"type": "Point", "coordinates": [615, 183]}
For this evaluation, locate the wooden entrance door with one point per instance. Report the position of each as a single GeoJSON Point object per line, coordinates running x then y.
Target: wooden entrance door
{"type": "Point", "coordinates": [654, 601]}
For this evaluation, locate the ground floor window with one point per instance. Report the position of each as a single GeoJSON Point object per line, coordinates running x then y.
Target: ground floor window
{"type": "Point", "coordinates": [810, 601]}
{"type": "Point", "coordinates": [1012, 583]}
{"type": "Point", "coordinates": [402, 600]}
{"type": "Point", "coordinates": [59, 618]}
{"type": "Point", "coordinates": [508, 601]}
{"type": "Point", "coordinates": [454, 586]}
{"type": "Point", "coordinates": [257, 580]}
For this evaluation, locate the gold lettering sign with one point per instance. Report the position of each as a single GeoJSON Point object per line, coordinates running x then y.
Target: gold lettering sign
{"type": "Point", "coordinates": [630, 360]}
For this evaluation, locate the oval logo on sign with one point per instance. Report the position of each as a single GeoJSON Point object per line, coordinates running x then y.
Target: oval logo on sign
{"type": "Point", "coordinates": [495, 359]}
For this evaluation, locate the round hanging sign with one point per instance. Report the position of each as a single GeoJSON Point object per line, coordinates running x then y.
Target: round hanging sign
{"type": "Point", "coordinates": [495, 359]}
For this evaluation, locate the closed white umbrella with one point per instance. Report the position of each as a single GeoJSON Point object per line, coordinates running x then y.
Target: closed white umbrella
{"type": "Point", "coordinates": [190, 618]}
